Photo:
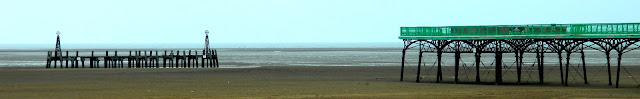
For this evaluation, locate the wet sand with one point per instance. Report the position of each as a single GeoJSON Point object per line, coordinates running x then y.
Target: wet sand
{"type": "Point", "coordinates": [286, 82]}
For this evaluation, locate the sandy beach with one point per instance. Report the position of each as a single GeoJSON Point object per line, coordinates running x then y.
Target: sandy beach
{"type": "Point", "coordinates": [278, 82]}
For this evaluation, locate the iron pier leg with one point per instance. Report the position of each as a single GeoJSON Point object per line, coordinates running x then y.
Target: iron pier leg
{"type": "Point", "coordinates": [478, 55]}
{"type": "Point", "coordinates": [518, 65]}
{"type": "Point", "coordinates": [540, 57]}
{"type": "Point", "coordinates": [618, 71]}
{"type": "Point", "coordinates": [419, 63]}
{"type": "Point", "coordinates": [566, 73]}
{"type": "Point", "coordinates": [584, 66]}
{"type": "Point", "coordinates": [561, 70]}
{"type": "Point", "coordinates": [608, 66]}
{"type": "Point", "coordinates": [439, 71]}
{"type": "Point", "coordinates": [498, 68]}
{"type": "Point", "coordinates": [521, 64]}
{"type": "Point", "coordinates": [404, 51]}
{"type": "Point", "coordinates": [457, 66]}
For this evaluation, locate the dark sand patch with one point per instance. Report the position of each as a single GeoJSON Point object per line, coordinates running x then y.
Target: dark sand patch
{"type": "Point", "coordinates": [278, 82]}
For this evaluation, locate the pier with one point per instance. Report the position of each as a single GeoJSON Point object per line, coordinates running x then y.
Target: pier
{"type": "Point", "coordinates": [206, 58]}
{"type": "Point", "coordinates": [536, 40]}
{"type": "Point", "coordinates": [135, 59]}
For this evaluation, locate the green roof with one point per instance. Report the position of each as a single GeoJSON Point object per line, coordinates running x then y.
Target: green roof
{"type": "Point", "coordinates": [532, 31]}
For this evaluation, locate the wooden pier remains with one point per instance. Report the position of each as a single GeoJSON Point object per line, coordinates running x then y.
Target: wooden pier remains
{"type": "Point", "coordinates": [136, 59]}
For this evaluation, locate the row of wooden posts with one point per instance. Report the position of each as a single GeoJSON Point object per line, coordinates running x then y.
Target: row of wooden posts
{"type": "Point", "coordinates": [137, 59]}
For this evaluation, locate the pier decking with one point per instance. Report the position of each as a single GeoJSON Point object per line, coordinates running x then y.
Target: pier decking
{"type": "Point", "coordinates": [135, 59]}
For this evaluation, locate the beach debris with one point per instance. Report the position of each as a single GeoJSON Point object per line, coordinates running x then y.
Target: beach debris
{"type": "Point", "coordinates": [148, 90]}
{"type": "Point", "coordinates": [228, 82]}
{"type": "Point", "coordinates": [192, 91]}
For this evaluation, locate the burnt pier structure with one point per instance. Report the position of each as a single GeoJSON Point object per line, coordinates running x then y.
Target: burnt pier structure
{"type": "Point", "coordinates": [135, 59]}
{"type": "Point", "coordinates": [206, 58]}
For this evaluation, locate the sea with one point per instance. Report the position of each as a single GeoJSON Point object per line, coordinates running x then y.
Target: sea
{"type": "Point", "coordinates": [327, 56]}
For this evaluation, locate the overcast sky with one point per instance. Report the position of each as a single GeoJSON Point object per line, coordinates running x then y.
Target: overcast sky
{"type": "Point", "coordinates": [279, 21]}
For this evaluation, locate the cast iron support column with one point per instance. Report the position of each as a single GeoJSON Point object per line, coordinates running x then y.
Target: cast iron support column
{"type": "Point", "coordinates": [566, 73]}
{"type": "Point", "coordinates": [404, 51]}
{"type": "Point", "coordinates": [608, 53]}
{"type": "Point", "coordinates": [498, 61]}
{"type": "Point", "coordinates": [419, 62]}
{"type": "Point", "coordinates": [478, 55]}
{"type": "Point", "coordinates": [439, 71]}
{"type": "Point", "coordinates": [541, 63]}
{"type": "Point", "coordinates": [618, 71]}
{"type": "Point", "coordinates": [518, 67]}
{"type": "Point", "coordinates": [561, 70]}
{"type": "Point", "coordinates": [584, 65]}
{"type": "Point", "coordinates": [498, 67]}
{"type": "Point", "coordinates": [457, 65]}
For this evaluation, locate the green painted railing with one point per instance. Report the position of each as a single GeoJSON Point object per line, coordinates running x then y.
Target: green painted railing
{"type": "Point", "coordinates": [547, 31]}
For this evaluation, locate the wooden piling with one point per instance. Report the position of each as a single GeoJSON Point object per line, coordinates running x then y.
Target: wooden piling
{"type": "Point", "coordinates": [135, 59]}
{"type": "Point", "coordinates": [76, 59]}
{"type": "Point", "coordinates": [66, 59]}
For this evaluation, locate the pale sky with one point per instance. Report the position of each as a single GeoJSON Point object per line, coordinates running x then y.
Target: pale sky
{"type": "Point", "coordinates": [279, 21]}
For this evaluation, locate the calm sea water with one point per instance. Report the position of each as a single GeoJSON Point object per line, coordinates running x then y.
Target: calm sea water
{"type": "Point", "coordinates": [252, 57]}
